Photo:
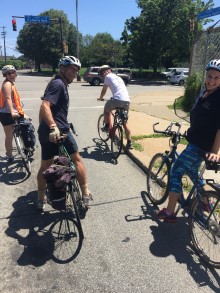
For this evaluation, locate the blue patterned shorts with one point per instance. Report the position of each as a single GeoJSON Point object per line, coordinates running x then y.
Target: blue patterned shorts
{"type": "Point", "coordinates": [188, 163]}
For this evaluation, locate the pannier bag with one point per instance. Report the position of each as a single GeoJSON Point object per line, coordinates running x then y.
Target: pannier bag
{"type": "Point", "coordinates": [58, 176]}
{"type": "Point", "coordinates": [27, 133]}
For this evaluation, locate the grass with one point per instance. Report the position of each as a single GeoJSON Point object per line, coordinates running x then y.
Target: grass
{"type": "Point", "coordinates": [138, 147]}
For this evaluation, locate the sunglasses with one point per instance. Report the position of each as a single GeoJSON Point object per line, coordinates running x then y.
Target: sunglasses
{"type": "Point", "coordinates": [11, 73]}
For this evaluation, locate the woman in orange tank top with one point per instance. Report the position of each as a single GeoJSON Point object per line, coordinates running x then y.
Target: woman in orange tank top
{"type": "Point", "coordinates": [10, 107]}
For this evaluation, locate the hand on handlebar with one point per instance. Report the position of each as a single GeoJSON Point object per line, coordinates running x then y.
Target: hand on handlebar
{"type": "Point", "coordinates": [15, 115]}
{"type": "Point", "coordinates": [213, 157]}
{"type": "Point", "coordinates": [54, 134]}
{"type": "Point", "coordinates": [100, 99]}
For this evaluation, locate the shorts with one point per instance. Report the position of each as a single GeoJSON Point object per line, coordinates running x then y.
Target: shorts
{"type": "Point", "coordinates": [50, 149]}
{"type": "Point", "coordinates": [6, 119]}
{"type": "Point", "coordinates": [187, 163]}
{"type": "Point", "coordinates": [114, 103]}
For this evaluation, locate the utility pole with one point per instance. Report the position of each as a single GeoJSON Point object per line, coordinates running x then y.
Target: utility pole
{"type": "Point", "coordinates": [3, 33]}
{"type": "Point", "coordinates": [77, 38]}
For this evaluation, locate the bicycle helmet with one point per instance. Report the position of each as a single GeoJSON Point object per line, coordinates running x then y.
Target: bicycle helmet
{"type": "Point", "coordinates": [213, 64]}
{"type": "Point", "coordinates": [102, 68]}
{"type": "Point", "coordinates": [8, 68]}
{"type": "Point", "coordinates": [69, 60]}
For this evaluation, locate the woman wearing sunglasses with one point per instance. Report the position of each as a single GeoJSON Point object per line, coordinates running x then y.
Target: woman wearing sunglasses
{"type": "Point", "coordinates": [10, 107]}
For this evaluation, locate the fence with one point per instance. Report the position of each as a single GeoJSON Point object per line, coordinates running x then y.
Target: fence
{"type": "Point", "coordinates": [206, 47]}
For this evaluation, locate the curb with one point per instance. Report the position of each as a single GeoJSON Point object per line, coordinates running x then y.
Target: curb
{"type": "Point", "coordinates": [140, 164]}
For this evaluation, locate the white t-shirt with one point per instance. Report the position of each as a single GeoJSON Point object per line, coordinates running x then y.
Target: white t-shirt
{"type": "Point", "coordinates": [117, 87]}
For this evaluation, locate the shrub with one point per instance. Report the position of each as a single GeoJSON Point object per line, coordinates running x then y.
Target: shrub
{"type": "Point", "coordinates": [193, 86]}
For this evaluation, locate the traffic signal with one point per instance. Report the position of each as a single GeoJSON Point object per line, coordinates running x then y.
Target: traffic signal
{"type": "Point", "coordinates": [14, 25]}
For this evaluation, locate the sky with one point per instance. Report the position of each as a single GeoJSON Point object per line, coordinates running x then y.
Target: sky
{"type": "Point", "coordinates": [94, 16]}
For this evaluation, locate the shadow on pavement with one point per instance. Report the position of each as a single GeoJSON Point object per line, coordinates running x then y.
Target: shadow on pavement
{"type": "Point", "coordinates": [174, 239]}
{"type": "Point", "coordinates": [99, 152]}
{"type": "Point", "coordinates": [39, 234]}
{"type": "Point", "coordinates": [13, 173]}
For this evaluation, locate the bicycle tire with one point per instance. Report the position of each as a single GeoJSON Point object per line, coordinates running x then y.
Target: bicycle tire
{"type": "Point", "coordinates": [67, 238]}
{"type": "Point", "coordinates": [24, 156]}
{"type": "Point", "coordinates": [75, 202]}
{"type": "Point", "coordinates": [205, 235]}
{"type": "Point", "coordinates": [158, 179]}
{"type": "Point", "coordinates": [101, 123]}
{"type": "Point", "coordinates": [116, 141]}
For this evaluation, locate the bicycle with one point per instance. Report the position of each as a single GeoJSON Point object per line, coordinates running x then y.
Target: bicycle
{"type": "Point", "coordinates": [26, 153]}
{"type": "Point", "coordinates": [120, 117]}
{"type": "Point", "coordinates": [201, 207]}
{"type": "Point", "coordinates": [68, 201]}
{"type": "Point", "coordinates": [159, 168]}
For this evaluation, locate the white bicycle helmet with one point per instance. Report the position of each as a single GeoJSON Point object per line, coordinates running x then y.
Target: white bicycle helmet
{"type": "Point", "coordinates": [213, 64]}
{"type": "Point", "coordinates": [102, 68]}
{"type": "Point", "coordinates": [68, 60]}
{"type": "Point", "coordinates": [8, 68]}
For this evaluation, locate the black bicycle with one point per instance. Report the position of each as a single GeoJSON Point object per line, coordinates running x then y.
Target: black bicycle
{"type": "Point", "coordinates": [67, 198]}
{"type": "Point", "coordinates": [115, 133]}
{"type": "Point", "coordinates": [24, 150]}
{"type": "Point", "coordinates": [159, 168]}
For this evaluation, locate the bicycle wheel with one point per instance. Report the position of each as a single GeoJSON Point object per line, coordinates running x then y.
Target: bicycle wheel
{"type": "Point", "coordinates": [23, 154]}
{"type": "Point", "coordinates": [101, 123]}
{"type": "Point", "coordinates": [204, 225]}
{"type": "Point", "coordinates": [67, 238]}
{"type": "Point", "coordinates": [158, 179]}
{"type": "Point", "coordinates": [116, 141]}
{"type": "Point", "coordinates": [74, 202]}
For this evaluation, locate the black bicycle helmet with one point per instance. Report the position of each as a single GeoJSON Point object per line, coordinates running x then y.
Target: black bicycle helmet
{"type": "Point", "coordinates": [213, 64]}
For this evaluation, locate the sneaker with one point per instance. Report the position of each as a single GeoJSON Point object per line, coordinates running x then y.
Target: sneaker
{"type": "Point", "coordinates": [163, 215]}
{"type": "Point", "coordinates": [40, 205]}
{"type": "Point", "coordinates": [129, 145]}
{"type": "Point", "coordinates": [86, 200]}
{"type": "Point", "coordinates": [105, 128]}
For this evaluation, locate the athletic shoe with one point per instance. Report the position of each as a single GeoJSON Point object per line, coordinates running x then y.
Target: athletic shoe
{"type": "Point", "coordinates": [105, 128]}
{"type": "Point", "coordinates": [168, 218]}
{"type": "Point", "coordinates": [129, 145]}
{"type": "Point", "coordinates": [86, 200]}
{"type": "Point", "coordinates": [40, 205]}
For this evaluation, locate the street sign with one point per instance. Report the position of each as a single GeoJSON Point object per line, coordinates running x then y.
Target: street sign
{"type": "Point", "coordinates": [208, 13]}
{"type": "Point", "coordinates": [37, 19]}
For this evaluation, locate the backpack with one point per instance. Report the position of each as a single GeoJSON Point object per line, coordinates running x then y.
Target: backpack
{"type": "Point", "coordinates": [58, 176]}
{"type": "Point", "coordinates": [27, 133]}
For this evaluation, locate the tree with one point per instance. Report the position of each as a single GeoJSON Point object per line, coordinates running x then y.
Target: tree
{"type": "Point", "coordinates": [43, 43]}
{"type": "Point", "coordinates": [102, 49]}
{"type": "Point", "coordinates": [161, 32]}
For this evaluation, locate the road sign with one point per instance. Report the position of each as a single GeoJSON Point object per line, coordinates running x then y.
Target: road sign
{"type": "Point", "coordinates": [37, 19]}
{"type": "Point", "coordinates": [208, 13]}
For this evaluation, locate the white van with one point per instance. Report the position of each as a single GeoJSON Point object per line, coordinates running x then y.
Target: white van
{"type": "Point", "coordinates": [171, 71]}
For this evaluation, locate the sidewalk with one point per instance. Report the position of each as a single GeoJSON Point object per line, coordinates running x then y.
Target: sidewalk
{"type": "Point", "coordinates": [141, 124]}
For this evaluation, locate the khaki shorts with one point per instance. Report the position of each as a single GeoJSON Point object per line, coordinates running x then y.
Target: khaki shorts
{"type": "Point", "coordinates": [113, 104]}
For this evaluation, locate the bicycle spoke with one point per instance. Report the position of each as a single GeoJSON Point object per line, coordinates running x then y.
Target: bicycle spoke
{"type": "Point", "coordinates": [205, 227]}
{"type": "Point", "coordinates": [67, 239]}
{"type": "Point", "coordinates": [158, 179]}
{"type": "Point", "coordinates": [102, 134]}
{"type": "Point", "coordinates": [116, 141]}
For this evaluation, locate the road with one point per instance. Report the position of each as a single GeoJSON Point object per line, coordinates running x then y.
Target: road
{"type": "Point", "coordinates": [126, 249]}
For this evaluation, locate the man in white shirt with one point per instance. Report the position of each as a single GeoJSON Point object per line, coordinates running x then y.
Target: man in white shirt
{"type": "Point", "coordinates": [120, 98]}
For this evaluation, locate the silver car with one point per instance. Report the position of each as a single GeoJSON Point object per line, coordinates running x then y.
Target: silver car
{"type": "Point", "coordinates": [92, 77]}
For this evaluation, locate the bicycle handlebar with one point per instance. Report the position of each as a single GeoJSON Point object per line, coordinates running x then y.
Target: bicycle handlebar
{"type": "Point", "coordinates": [168, 131]}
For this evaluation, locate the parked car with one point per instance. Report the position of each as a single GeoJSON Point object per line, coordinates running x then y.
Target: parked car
{"type": "Point", "coordinates": [92, 77]}
{"type": "Point", "coordinates": [170, 71]}
{"type": "Point", "coordinates": [179, 77]}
